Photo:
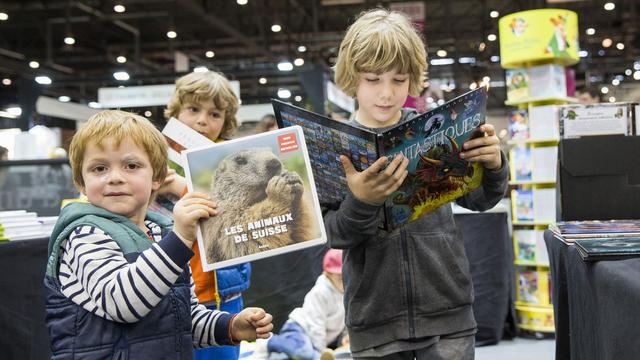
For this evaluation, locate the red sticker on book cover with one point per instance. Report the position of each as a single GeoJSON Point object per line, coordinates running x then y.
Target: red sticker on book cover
{"type": "Point", "coordinates": [288, 142]}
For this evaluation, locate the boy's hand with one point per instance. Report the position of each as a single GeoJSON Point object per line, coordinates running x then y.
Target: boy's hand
{"type": "Point", "coordinates": [173, 184]}
{"type": "Point", "coordinates": [484, 149]}
{"type": "Point", "coordinates": [374, 184]}
{"type": "Point", "coordinates": [251, 323]}
{"type": "Point", "coordinates": [186, 213]}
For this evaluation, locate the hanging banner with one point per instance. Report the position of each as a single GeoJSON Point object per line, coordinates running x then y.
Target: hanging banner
{"type": "Point", "coordinates": [539, 36]}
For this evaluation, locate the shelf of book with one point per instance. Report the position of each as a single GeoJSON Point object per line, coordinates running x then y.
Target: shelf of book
{"type": "Point", "coordinates": [532, 182]}
{"type": "Point", "coordinates": [550, 141]}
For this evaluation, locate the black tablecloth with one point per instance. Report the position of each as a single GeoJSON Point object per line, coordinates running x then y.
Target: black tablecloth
{"type": "Point", "coordinates": [595, 305]}
{"type": "Point", "coordinates": [278, 284]}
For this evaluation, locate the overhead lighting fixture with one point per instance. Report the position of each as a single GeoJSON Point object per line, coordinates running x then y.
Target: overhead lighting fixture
{"type": "Point", "coordinates": [492, 37]}
{"type": "Point", "coordinates": [486, 79]}
{"type": "Point", "coordinates": [276, 28]}
{"type": "Point", "coordinates": [473, 86]}
{"type": "Point", "coordinates": [121, 75]}
{"type": "Point", "coordinates": [147, 113]}
{"type": "Point", "coordinates": [6, 81]}
{"type": "Point", "coordinates": [636, 65]}
{"type": "Point", "coordinates": [467, 60]}
{"type": "Point", "coordinates": [34, 64]}
{"type": "Point", "coordinates": [441, 53]}
{"type": "Point", "coordinates": [285, 66]}
{"type": "Point", "coordinates": [482, 46]}
{"type": "Point", "coordinates": [200, 69]}
{"type": "Point", "coordinates": [612, 99]}
{"type": "Point", "coordinates": [609, 6]}
{"type": "Point", "coordinates": [172, 34]}
{"type": "Point", "coordinates": [615, 82]}
{"type": "Point", "coordinates": [627, 72]}
{"type": "Point", "coordinates": [121, 59]}
{"type": "Point", "coordinates": [604, 89]}
{"type": "Point", "coordinates": [43, 80]}
{"type": "Point", "coordinates": [209, 54]}
{"type": "Point", "coordinates": [4, 16]}
{"type": "Point", "coordinates": [302, 48]}
{"type": "Point", "coordinates": [14, 111]}
{"type": "Point", "coordinates": [607, 42]}
{"type": "Point", "coordinates": [297, 98]}
{"type": "Point", "coordinates": [590, 31]}
{"type": "Point", "coordinates": [620, 46]}
{"type": "Point", "coordinates": [242, 2]}
{"type": "Point", "coordinates": [69, 40]}
{"type": "Point", "coordinates": [443, 61]}
{"type": "Point", "coordinates": [583, 53]}
{"type": "Point", "coordinates": [94, 105]}
{"type": "Point", "coordinates": [440, 102]}
{"type": "Point", "coordinates": [494, 14]}
{"type": "Point", "coordinates": [636, 75]}
{"type": "Point", "coordinates": [284, 93]}
{"type": "Point", "coordinates": [298, 62]}
{"type": "Point", "coordinates": [262, 80]}
{"type": "Point", "coordinates": [495, 58]}
{"type": "Point", "coordinates": [64, 98]}
{"type": "Point", "coordinates": [119, 8]}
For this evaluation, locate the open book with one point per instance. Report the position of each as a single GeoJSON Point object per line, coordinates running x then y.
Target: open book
{"type": "Point", "coordinates": [431, 141]}
{"type": "Point", "coordinates": [265, 195]}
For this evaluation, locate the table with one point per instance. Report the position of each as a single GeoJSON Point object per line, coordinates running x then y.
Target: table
{"type": "Point", "coordinates": [278, 284]}
{"type": "Point", "coordinates": [595, 305]}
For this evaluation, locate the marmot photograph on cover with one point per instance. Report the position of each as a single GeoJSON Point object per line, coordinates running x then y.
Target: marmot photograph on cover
{"type": "Point", "coordinates": [265, 198]}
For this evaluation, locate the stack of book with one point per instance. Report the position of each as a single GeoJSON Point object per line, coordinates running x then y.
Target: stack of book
{"type": "Point", "coordinates": [600, 240]}
{"type": "Point", "coordinates": [21, 225]}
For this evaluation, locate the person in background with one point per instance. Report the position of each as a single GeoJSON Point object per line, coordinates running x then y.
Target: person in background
{"type": "Point", "coordinates": [267, 123]}
{"type": "Point", "coordinates": [589, 96]}
{"type": "Point", "coordinates": [4, 153]}
{"type": "Point", "coordinates": [318, 323]}
{"type": "Point", "coordinates": [206, 103]}
{"type": "Point", "coordinates": [408, 292]}
{"type": "Point", "coordinates": [117, 282]}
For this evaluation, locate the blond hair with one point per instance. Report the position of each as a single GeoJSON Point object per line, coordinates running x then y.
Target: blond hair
{"type": "Point", "coordinates": [379, 41]}
{"type": "Point", "coordinates": [118, 125]}
{"type": "Point", "coordinates": [203, 87]}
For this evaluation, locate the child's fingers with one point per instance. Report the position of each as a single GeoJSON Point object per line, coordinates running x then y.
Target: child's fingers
{"type": "Point", "coordinates": [347, 166]}
{"type": "Point", "coordinates": [395, 165]}
{"type": "Point", "coordinates": [264, 331]}
{"type": "Point", "coordinates": [377, 166]}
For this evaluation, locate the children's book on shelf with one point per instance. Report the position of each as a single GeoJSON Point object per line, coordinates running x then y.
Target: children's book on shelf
{"type": "Point", "coordinates": [522, 165]}
{"type": "Point", "coordinates": [530, 246]}
{"type": "Point", "coordinates": [614, 248]}
{"type": "Point", "coordinates": [569, 231]}
{"type": "Point", "coordinates": [596, 119]}
{"type": "Point", "coordinates": [519, 124]}
{"type": "Point", "coordinates": [522, 204]}
{"type": "Point", "coordinates": [431, 141]}
{"type": "Point", "coordinates": [517, 84]}
{"type": "Point", "coordinates": [265, 195]}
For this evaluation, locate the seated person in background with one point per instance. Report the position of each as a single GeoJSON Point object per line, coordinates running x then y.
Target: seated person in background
{"type": "Point", "coordinates": [267, 123]}
{"type": "Point", "coordinates": [589, 96]}
{"type": "Point", "coordinates": [118, 284]}
{"type": "Point", "coordinates": [315, 325]}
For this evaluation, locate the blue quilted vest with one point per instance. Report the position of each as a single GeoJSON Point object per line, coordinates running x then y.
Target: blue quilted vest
{"type": "Point", "coordinates": [74, 333]}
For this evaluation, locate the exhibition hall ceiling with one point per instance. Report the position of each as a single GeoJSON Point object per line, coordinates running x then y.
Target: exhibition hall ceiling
{"type": "Point", "coordinates": [238, 39]}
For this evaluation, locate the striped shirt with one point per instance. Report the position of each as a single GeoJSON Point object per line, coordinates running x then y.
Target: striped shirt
{"type": "Point", "coordinates": [95, 275]}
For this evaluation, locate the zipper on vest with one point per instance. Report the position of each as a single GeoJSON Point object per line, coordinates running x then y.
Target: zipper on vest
{"type": "Point", "coordinates": [407, 272]}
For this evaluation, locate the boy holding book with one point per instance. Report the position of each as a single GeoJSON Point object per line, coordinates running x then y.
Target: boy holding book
{"type": "Point", "coordinates": [422, 265]}
{"type": "Point", "coordinates": [118, 283]}
{"type": "Point", "coordinates": [206, 103]}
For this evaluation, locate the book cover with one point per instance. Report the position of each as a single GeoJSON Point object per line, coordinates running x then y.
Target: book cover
{"type": "Point", "coordinates": [519, 124]}
{"type": "Point", "coordinates": [517, 84]}
{"type": "Point", "coordinates": [431, 141]}
{"type": "Point", "coordinates": [265, 194]}
{"type": "Point", "coordinates": [522, 166]}
{"type": "Point", "coordinates": [523, 204]}
{"type": "Point", "coordinates": [525, 241]}
{"type": "Point", "coordinates": [608, 248]}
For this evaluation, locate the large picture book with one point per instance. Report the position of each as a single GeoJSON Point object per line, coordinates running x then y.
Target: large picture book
{"type": "Point", "coordinates": [265, 195]}
{"type": "Point", "coordinates": [615, 248]}
{"type": "Point", "coordinates": [431, 141]}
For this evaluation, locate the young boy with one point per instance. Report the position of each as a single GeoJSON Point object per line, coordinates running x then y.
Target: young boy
{"type": "Point", "coordinates": [206, 103]}
{"type": "Point", "coordinates": [320, 320]}
{"type": "Point", "coordinates": [118, 283]}
{"type": "Point", "coordinates": [408, 292]}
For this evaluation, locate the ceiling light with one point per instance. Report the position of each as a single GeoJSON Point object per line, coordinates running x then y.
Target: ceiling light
{"type": "Point", "coordinates": [627, 72]}
{"type": "Point", "coordinates": [262, 80]}
{"type": "Point", "coordinates": [590, 31]}
{"type": "Point", "coordinates": [615, 82]}
{"type": "Point", "coordinates": [612, 99]}
{"type": "Point", "coordinates": [473, 86]}
{"type": "Point", "coordinates": [607, 42]}
{"type": "Point", "coordinates": [242, 2]}
{"type": "Point", "coordinates": [69, 40]}
{"type": "Point", "coordinates": [14, 111]}
{"type": "Point", "coordinates": [93, 104]}
{"type": "Point", "coordinates": [121, 59]}
{"type": "Point", "coordinates": [276, 28]}
{"type": "Point", "coordinates": [119, 8]}
{"type": "Point", "coordinates": [492, 37]}
{"type": "Point", "coordinates": [43, 80]}
{"type": "Point", "coordinates": [601, 52]}
{"type": "Point", "coordinates": [200, 69]}
{"type": "Point", "coordinates": [285, 66]}
{"type": "Point", "coordinates": [604, 89]}
{"type": "Point", "coordinates": [636, 75]}
{"type": "Point", "coordinates": [494, 14]}
{"type": "Point", "coordinates": [486, 79]}
{"type": "Point", "coordinates": [609, 6]}
{"type": "Point", "coordinates": [7, 81]}
{"type": "Point", "coordinates": [583, 53]}
{"type": "Point", "coordinates": [284, 93]}
{"type": "Point", "coordinates": [298, 98]}
{"type": "Point", "coordinates": [495, 58]}
{"type": "Point", "coordinates": [302, 48]}
{"type": "Point", "coordinates": [34, 64]}
{"type": "Point", "coordinates": [4, 16]}
{"type": "Point", "coordinates": [441, 53]}
{"type": "Point", "coordinates": [636, 66]}
{"type": "Point", "coordinates": [121, 75]}
{"type": "Point", "coordinates": [620, 46]}
{"type": "Point", "coordinates": [443, 61]}
{"type": "Point", "coordinates": [209, 54]}
{"type": "Point", "coordinates": [440, 102]}
{"type": "Point", "coordinates": [467, 60]}
{"type": "Point", "coordinates": [171, 34]}
{"type": "Point", "coordinates": [298, 62]}
{"type": "Point", "coordinates": [147, 113]}
{"type": "Point", "coordinates": [481, 46]}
